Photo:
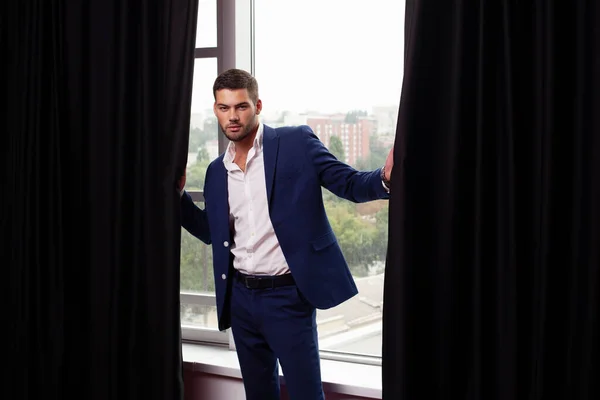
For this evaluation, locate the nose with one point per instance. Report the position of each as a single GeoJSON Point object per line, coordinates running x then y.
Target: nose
{"type": "Point", "coordinates": [233, 116]}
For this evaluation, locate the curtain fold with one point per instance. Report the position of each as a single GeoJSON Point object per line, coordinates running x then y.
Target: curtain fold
{"type": "Point", "coordinates": [492, 278]}
{"type": "Point", "coordinates": [98, 98]}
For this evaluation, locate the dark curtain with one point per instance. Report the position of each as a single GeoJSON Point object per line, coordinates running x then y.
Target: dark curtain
{"type": "Point", "coordinates": [492, 280]}
{"type": "Point", "coordinates": [96, 120]}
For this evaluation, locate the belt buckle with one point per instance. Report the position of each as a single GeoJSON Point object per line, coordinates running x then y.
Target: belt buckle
{"type": "Point", "coordinates": [251, 282]}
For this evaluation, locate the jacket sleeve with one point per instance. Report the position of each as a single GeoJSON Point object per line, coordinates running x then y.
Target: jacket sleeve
{"type": "Point", "coordinates": [194, 219]}
{"type": "Point", "coordinates": [340, 178]}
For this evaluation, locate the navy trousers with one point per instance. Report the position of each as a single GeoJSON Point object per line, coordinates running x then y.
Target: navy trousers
{"type": "Point", "coordinates": [276, 324]}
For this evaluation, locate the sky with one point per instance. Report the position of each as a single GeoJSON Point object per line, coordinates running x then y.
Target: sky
{"type": "Point", "coordinates": [318, 55]}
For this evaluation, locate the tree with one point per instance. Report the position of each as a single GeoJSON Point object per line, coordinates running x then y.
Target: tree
{"type": "Point", "coordinates": [195, 139]}
{"type": "Point", "coordinates": [363, 164]}
{"type": "Point", "coordinates": [203, 155]}
{"type": "Point", "coordinates": [377, 156]}
{"type": "Point", "coordinates": [355, 233]}
{"type": "Point", "coordinates": [196, 257]}
{"type": "Point", "coordinates": [352, 116]}
{"type": "Point", "coordinates": [380, 244]}
{"type": "Point", "coordinates": [378, 153]}
{"type": "Point", "coordinates": [196, 264]}
{"type": "Point", "coordinates": [337, 148]}
{"type": "Point", "coordinates": [196, 173]}
{"type": "Point", "coordinates": [199, 136]}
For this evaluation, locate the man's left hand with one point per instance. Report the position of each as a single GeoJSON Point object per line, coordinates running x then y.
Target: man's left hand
{"type": "Point", "coordinates": [389, 164]}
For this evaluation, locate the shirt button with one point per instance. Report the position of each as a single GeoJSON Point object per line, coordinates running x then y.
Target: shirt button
{"type": "Point", "coordinates": [226, 243]}
{"type": "Point", "coordinates": [223, 276]}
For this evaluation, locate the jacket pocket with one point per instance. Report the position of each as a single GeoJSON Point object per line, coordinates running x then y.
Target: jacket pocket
{"type": "Point", "coordinates": [324, 241]}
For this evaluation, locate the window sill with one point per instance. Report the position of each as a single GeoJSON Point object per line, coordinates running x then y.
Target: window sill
{"type": "Point", "coordinates": [338, 377]}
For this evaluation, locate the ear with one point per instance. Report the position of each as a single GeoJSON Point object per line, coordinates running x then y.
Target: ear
{"type": "Point", "coordinates": [215, 108]}
{"type": "Point", "coordinates": [258, 106]}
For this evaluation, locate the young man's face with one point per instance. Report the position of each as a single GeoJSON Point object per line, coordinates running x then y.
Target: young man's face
{"type": "Point", "coordinates": [237, 113]}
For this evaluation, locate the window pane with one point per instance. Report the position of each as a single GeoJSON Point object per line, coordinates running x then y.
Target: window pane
{"type": "Point", "coordinates": [204, 134]}
{"type": "Point", "coordinates": [196, 264]}
{"type": "Point", "coordinates": [337, 66]}
{"type": "Point", "coordinates": [206, 30]}
{"type": "Point", "coordinates": [196, 257]}
{"type": "Point", "coordinates": [199, 316]}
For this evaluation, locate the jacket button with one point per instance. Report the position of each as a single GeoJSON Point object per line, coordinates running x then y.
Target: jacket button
{"type": "Point", "coordinates": [223, 276]}
{"type": "Point", "coordinates": [226, 243]}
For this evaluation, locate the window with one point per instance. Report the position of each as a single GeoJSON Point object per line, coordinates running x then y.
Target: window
{"type": "Point", "coordinates": [336, 66]}
{"type": "Point", "coordinates": [337, 62]}
{"type": "Point", "coordinates": [206, 31]}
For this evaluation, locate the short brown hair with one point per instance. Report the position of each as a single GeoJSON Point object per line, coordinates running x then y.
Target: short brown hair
{"type": "Point", "coordinates": [237, 79]}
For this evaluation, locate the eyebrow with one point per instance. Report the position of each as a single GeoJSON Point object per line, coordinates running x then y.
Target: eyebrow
{"type": "Point", "coordinates": [245, 103]}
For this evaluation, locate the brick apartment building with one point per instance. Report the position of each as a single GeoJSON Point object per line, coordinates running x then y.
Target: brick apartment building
{"type": "Point", "coordinates": [354, 135]}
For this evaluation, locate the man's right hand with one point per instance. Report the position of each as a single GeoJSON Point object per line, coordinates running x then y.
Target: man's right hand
{"type": "Point", "coordinates": [181, 182]}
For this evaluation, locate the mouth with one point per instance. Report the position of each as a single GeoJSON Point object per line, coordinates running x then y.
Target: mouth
{"type": "Point", "coordinates": [234, 128]}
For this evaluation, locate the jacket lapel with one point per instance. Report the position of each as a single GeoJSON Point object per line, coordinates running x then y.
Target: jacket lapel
{"type": "Point", "coordinates": [270, 150]}
{"type": "Point", "coordinates": [219, 191]}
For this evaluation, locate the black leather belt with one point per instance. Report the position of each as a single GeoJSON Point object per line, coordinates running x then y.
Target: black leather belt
{"type": "Point", "coordinates": [264, 282]}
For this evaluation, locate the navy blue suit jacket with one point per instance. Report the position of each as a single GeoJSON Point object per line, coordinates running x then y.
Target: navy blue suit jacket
{"type": "Point", "coordinates": [297, 165]}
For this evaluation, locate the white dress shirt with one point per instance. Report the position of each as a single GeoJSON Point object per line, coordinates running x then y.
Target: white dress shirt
{"type": "Point", "coordinates": [255, 247]}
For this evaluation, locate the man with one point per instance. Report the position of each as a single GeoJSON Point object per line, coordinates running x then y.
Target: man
{"type": "Point", "coordinates": [276, 258]}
